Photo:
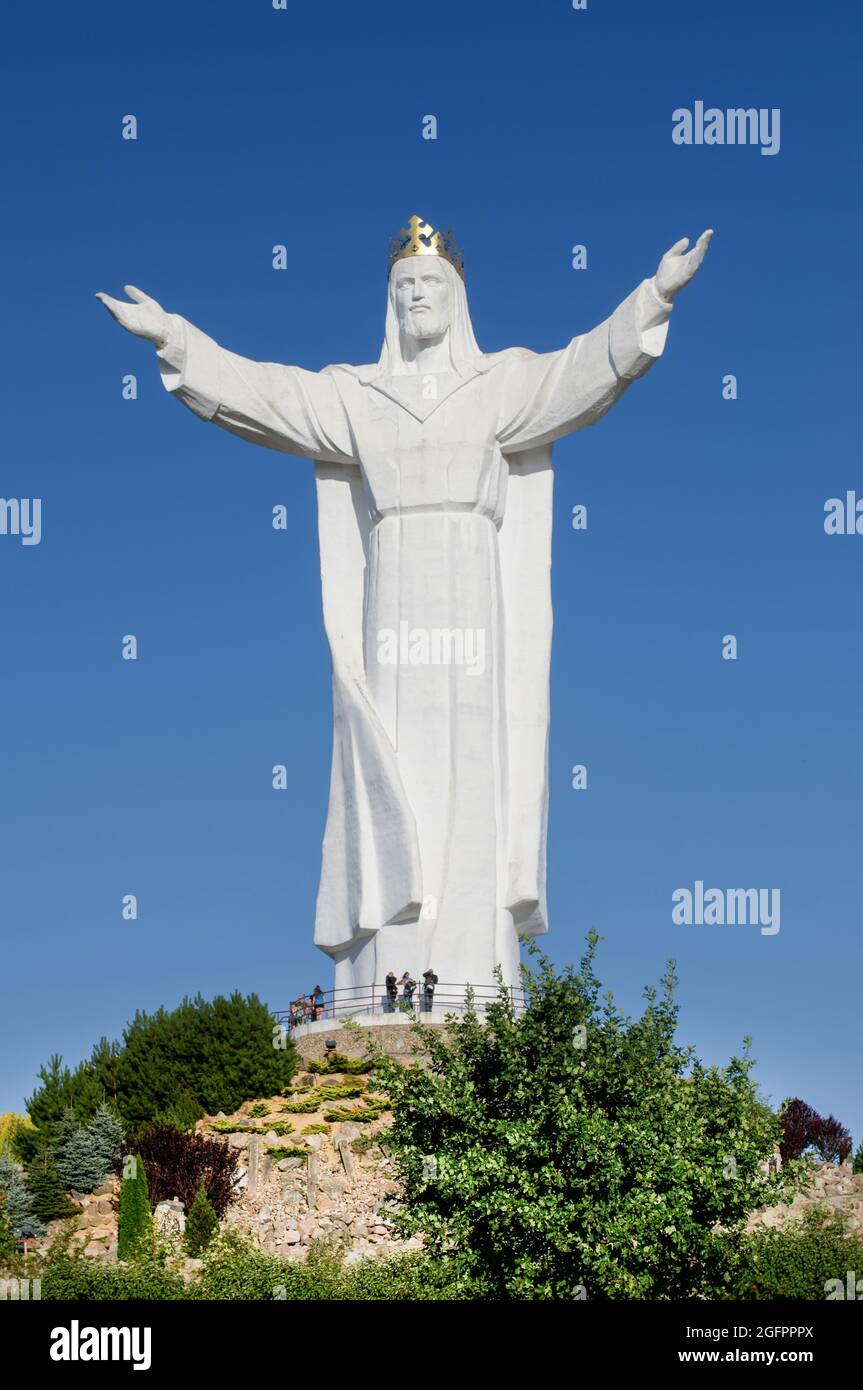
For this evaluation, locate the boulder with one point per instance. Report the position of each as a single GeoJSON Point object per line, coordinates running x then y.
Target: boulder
{"type": "Point", "coordinates": [238, 1141]}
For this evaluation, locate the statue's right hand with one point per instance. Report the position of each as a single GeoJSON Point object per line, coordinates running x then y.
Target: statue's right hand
{"type": "Point", "coordinates": [143, 317]}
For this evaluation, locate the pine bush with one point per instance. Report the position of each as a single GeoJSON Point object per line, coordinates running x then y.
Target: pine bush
{"type": "Point", "coordinates": [135, 1234]}
{"type": "Point", "coordinates": [202, 1224]}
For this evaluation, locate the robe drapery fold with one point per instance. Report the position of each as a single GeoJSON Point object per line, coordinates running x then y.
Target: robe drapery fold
{"type": "Point", "coordinates": [434, 515]}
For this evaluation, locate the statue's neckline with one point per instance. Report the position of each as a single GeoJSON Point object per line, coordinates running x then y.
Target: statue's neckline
{"type": "Point", "coordinates": [412, 397]}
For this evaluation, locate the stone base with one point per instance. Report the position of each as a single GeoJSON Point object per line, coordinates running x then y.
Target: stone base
{"type": "Point", "coordinates": [391, 1033]}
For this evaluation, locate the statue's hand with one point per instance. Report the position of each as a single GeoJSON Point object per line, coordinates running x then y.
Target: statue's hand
{"type": "Point", "coordinates": [143, 317]}
{"type": "Point", "coordinates": [678, 265]}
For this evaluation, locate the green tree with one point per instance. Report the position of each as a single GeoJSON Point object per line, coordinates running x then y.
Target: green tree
{"type": "Point", "coordinates": [571, 1152]}
{"type": "Point", "coordinates": [50, 1201]}
{"type": "Point", "coordinates": [7, 1240]}
{"type": "Point", "coordinates": [18, 1200]}
{"type": "Point", "coordinates": [87, 1153]}
{"type": "Point", "coordinates": [202, 1224]}
{"type": "Point", "coordinates": [857, 1166]}
{"type": "Point", "coordinates": [135, 1234]}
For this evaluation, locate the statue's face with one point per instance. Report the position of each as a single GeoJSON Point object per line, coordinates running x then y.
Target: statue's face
{"type": "Point", "coordinates": [422, 297]}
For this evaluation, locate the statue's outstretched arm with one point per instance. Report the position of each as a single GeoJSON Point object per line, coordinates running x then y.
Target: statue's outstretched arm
{"type": "Point", "coordinates": [281, 407]}
{"type": "Point", "coordinates": [556, 393]}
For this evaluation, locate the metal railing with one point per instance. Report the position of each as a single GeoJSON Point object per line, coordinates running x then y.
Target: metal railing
{"type": "Point", "coordinates": [375, 999]}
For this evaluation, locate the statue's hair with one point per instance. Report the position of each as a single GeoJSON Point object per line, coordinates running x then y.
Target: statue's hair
{"type": "Point", "coordinates": [465, 354]}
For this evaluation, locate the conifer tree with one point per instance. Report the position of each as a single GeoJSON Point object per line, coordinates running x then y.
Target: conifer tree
{"type": "Point", "coordinates": [201, 1224]}
{"type": "Point", "coordinates": [7, 1242]}
{"type": "Point", "coordinates": [50, 1201]}
{"type": "Point", "coordinates": [18, 1201]}
{"type": "Point", "coordinates": [135, 1235]}
{"type": "Point", "coordinates": [87, 1153]}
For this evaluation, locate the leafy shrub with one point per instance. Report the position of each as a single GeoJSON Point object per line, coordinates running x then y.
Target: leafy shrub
{"type": "Point", "coordinates": [10, 1124]}
{"type": "Point", "coordinates": [237, 1127]}
{"type": "Point", "coordinates": [803, 1128]}
{"type": "Point", "coordinates": [371, 1109]}
{"type": "Point", "coordinates": [178, 1164]}
{"type": "Point", "coordinates": [287, 1151]}
{"type": "Point", "coordinates": [236, 1270]}
{"type": "Point", "coordinates": [796, 1261]}
{"type": "Point", "coordinates": [318, 1128]}
{"type": "Point", "coordinates": [302, 1107]}
{"type": "Point", "coordinates": [798, 1120]}
{"type": "Point", "coordinates": [135, 1235]}
{"type": "Point", "coordinates": [345, 1066]}
{"type": "Point", "coordinates": [831, 1140]}
{"type": "Point", "coordinates": [81, 1280]}
{"type": "Point", "coordinates": [858, 1158]}
{"type": "Point", "coordinates": [574, 1146]}
{"type": "Point", "coordinates": [202, 1224]}
{"type": "Point", "coordinates": [259, 1109]}
{"type": "Point", "coordinates": [348, 1090]}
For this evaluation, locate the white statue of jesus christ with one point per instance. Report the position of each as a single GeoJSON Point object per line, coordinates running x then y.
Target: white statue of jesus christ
{"type": "Point", "coordinates": [434, 487]}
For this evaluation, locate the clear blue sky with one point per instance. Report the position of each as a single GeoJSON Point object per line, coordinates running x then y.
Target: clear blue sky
{"type": "Point", "coordinates": [303, 127]}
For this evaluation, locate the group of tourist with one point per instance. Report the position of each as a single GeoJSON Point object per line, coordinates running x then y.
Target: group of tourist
{"type": "Point", "coordinates": [400, 992]}
{"type": "Point", "coordinates": [307, 1008]}
{"type": "Point", "coordinates": [408, 987]}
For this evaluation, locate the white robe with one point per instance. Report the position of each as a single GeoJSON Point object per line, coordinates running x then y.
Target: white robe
{"type": "Point", "coordinates": [434, 518]}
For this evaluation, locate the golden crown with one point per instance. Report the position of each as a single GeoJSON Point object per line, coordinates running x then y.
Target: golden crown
{"type": "Point", "coordinates": [419, 239]}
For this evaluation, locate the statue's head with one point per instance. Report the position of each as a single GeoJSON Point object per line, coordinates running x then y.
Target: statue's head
{"type": "Point", "coordinates": [422, 297]}
{"type": "Point", "coordinates": [426, 300]}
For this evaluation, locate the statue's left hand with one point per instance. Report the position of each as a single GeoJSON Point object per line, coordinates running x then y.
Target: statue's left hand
{"type": "Point", "coordinates": [678, 265]}
{"type": "Point", "coordinates": [144, 317]}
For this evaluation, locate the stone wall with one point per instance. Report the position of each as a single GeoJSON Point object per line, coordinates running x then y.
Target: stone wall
{"type": "Point", "coordinates": [834, 1186]}
{"type": "Point", "coordinates": [396, 1039]}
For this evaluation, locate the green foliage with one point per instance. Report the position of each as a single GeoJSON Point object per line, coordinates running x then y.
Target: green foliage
{"type": "Point", "coordinates": [18, 1200]}
{"type": "Point", "coordinates": [236, 1270]}
{"type": "Point", "coordinates": [7, 1240]}
{"type": "Point", "coordinates": [86, 1153]}
{"type": "Point", "coordinates": [202, 1224]}
{"type": "Point", "coordinates": [183, 1113]}
{"type": "Point", "coordinates": [237, 1127]}
{"type": "Point", "coordinates": [348, 1090]}
{"type": "Point", "coordinates": [345, 1066]}
{"type": "Point", "coordinates": [318, 1128]}
{"type": "Point", "coordinates": [364, 1143]}
{"type": "Point", "coordinates": [857, 1166]}
{"type": "Point", "coordinates": [372, 1109]}
{"type": "Point", "coordinates": [797, 1260]}
{"type": "Point", "coordinates": [50, 1202]}
{"type": "Point", "coordinates": [302, 1107]}
{"type": "Point", "coordinates": [10, 1124]}
{"type": "Point", "coordinates": [135, 1234]}
{"type": "Point", "coordinates": [259, 1109]}
{"type": "Point", "coordinates": [171, 1067]}
{"type": "Point", "coordinates": [574, 1147]}
{"type": "Point", "coordinates": [287, 1151]}
{"type": "Point", "coordinates": [178, 1164]}
{"type": "Point", "coordinates": [81, 1280]}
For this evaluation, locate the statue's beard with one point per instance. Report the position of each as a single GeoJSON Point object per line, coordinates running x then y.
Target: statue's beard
{"type": "Point", "coordinates": [422, 324]}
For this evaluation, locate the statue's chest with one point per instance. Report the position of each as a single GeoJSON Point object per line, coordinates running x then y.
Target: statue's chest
{"type": "Point", "coordinates": [445, 458]}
